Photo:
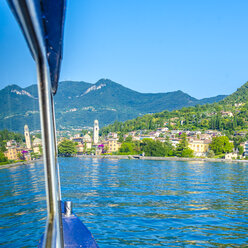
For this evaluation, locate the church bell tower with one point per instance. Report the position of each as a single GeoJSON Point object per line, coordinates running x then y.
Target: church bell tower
{"type": "Point", "coordinates": [27, 137]}
{"type": "Point", "coordinates": [96, 132]}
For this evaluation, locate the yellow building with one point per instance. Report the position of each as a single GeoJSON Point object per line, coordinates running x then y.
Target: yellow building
{"type": "Point", "coordinates": [37, 145]}
{"type": "Point", "coordinates": [200, 147]}
{"type": "Point", "coordinates": [12, 153]}
{"type": "Point", "coordinates": [113, 145]}
{"type": "Point", "coordinates": [36, 150]}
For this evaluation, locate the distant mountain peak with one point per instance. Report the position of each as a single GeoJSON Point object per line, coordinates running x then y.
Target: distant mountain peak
{"type": "Point", "coordinates": [93, 88]}
{"type": "Point", "coordinates": [22, 93]}
{"type": "Point", "coordinates": [108, 82]}
{"type": "Point", "coordinates": [104, 80]}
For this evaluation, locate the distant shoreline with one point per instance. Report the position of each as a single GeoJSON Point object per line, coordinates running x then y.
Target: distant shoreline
{"type": "Point", "coordinates": [137, 157]}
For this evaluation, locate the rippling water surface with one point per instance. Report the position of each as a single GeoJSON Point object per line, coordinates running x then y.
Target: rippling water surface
{"type": "Point", "coordinates": [129, 203]}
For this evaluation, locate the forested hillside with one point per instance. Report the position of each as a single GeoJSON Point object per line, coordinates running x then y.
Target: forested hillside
{"type": "Point", "coordinates": [230, 114]}
{"type": "Point", "coordinates": [78, 104]}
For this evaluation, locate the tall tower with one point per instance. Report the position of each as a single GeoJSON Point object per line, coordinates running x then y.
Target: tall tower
{"type": "Point", "coordinates": [27, 137]}
{"type": "Point", "coordinates": [96, 132]}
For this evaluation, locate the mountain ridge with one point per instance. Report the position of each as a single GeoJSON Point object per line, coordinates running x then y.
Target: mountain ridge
{"type": "Point", "coordinates": [229, 115]}
{"type": "Point", "coordinates": [78, 103]}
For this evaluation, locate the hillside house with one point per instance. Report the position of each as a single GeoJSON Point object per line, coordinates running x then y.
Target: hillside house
{"type": "Point", "coordinates": [200, 147]}
{"type": "Point", "coordinates": [226, 114]}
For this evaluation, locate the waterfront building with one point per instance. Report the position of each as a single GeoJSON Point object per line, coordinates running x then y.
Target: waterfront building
{"type": "Point", "coordinates": [200, 147]}
{"type": "Point", "coordinates": [80, 148]}
{"type": "Point", "coordinates": [96, 132]}
{"type": "Point", "coordinates": [87, 138]}
{"type": "Point", "coordinates": [87, 141]}
{"type": "Point", "coordinates": [11, 153]}
{"type": "Point", "coordinates": [37, 144]}
{"type": "Point", "coordinates": [232, 155]}
{"type": "Point", "coordinates": [27, 137]}
{"type": "Point", "coordinates": [113, 145]}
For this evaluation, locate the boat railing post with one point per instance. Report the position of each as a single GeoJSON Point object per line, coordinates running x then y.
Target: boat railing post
{"type": "Point", "coordinates": [29, 16]}
{"type": "Point", "coordinates": [54, 232]}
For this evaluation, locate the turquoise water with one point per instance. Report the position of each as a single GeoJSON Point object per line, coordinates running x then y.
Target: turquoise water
{"type": "Point", "coordinates": [133, 203]}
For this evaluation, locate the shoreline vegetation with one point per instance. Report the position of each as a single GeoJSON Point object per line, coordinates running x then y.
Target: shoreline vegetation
{"type": "Point", "coordinates": [136, 157]}
{"type": "Point", "coordinates": [6, 166]}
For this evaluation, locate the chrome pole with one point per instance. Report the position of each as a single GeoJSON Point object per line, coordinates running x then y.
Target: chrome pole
{"type": "Point", "coordinates": [53, 235]}
{"type": "Point", "coordinates": [27, 13]}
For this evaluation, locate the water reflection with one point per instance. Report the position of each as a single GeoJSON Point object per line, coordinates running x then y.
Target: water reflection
{"type": "Point", "coordinates": [22, 202]}
{"type": "Point", "coordinates": [134, 203]}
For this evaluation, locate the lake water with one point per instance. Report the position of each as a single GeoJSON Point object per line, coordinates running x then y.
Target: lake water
{"type": "Point", "coordinates": [133, 203]}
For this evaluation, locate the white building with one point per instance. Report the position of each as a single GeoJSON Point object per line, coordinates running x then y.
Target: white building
{"type": "Point", "coordinates": [96, 132]}
{"type": "Point", "coordinates": [37, 144]}
{"type": "Point", "coordinates": [87, 141]}
{"type": "Point", "coordinates": [11, 143]}
{"type": "Point", "coordinates": [27, 137]}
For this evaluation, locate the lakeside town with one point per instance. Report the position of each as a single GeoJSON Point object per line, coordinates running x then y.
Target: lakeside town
{"type": "Point", "coordinates": [161, 142]}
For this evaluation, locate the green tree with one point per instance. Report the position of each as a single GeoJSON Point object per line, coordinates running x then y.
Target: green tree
{"type": "Point", "coordinates": [40, 149]}
{"type": "Point", "coordinates": [221, 145]}
{"type": "Point", "coordinates": [3, 158]}
{"type": "Point", "coordinates": [127, 148]}
{"type": "Point", "coordinates": [121, 138]}
{"type": "Point", "coordinates": [84, 131]}
{"type": "Point", "coordinates": [67, 148]}
{"type": "Point", "coordinates": [129, 139]}
{"type": "Point", "coordinates": [20, 156]}
{"type": "Point", "coordinates": [34, 155]}
{"type": "Point", "coordinates": [241, 150]}
{"type": "Point", "coordinates": [38, 135]}
{"type": "Point", "coordinates": [187, 153]}
{"type": "Point", "coordinates": [3, 146]}
{"type": "Point", "coordinates": [156, 148]}
{"type": "Point", "coordinates": [210, 154]}
{"type": "Point", "coordinates": [182, 149]}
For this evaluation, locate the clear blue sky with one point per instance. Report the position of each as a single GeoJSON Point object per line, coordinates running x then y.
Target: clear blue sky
{"type": "Point", "coordinates": [200, 47]}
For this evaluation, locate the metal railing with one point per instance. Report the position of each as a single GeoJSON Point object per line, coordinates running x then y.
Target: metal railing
{"type": "Point", "coordinates": [28, 14]}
